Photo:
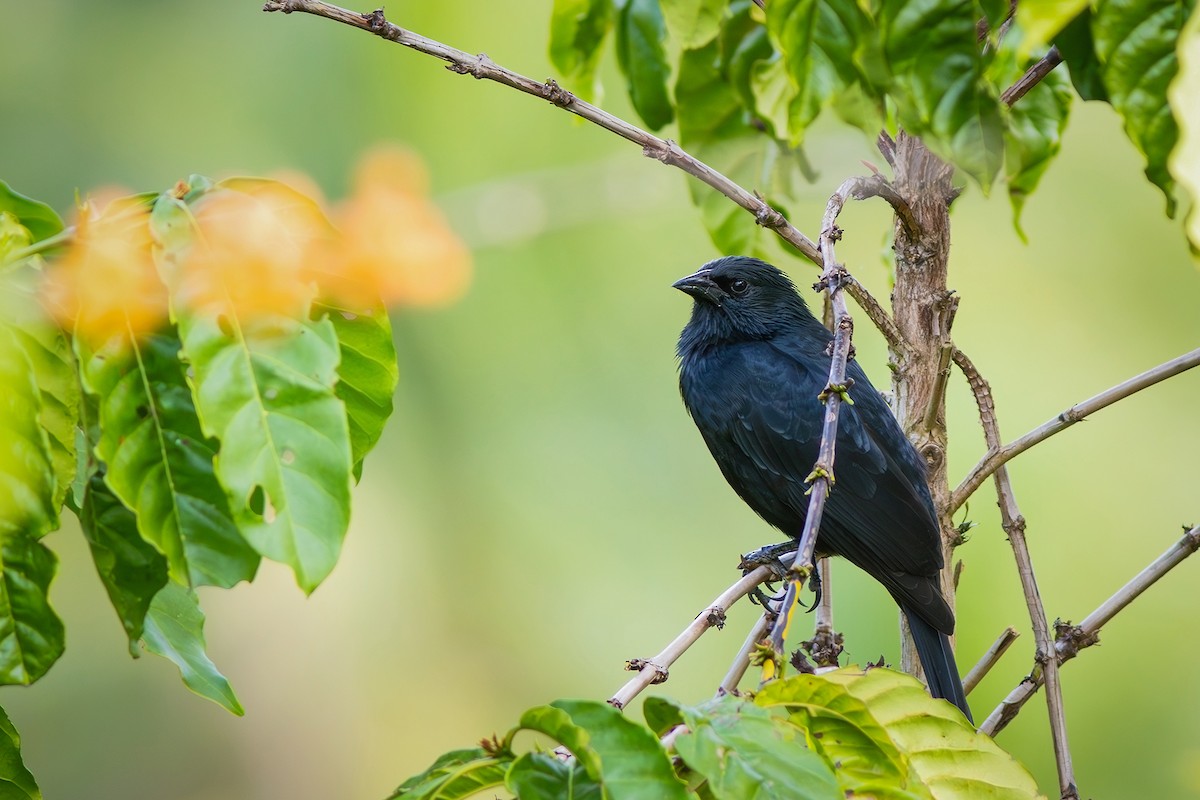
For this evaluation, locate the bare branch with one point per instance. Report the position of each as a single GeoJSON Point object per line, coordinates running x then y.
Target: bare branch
{"type": "Point", "coordinates": [1032, 77]}
{"type": "Point", "coordinates": [741, 662]}
{"type": "Point", "coordinates": [654, 670]}
{"type": "Point", "coordinates": [825, 646]}
{"type": "Point", "coordinates": [664, 150]}
{"type": "Point", "coordinates": [1014, 525]}
{"type": "Point", "coordinates": [821, 478]}
{"type": "Point", "coordinates": [989, 659]}
{"type": "Point", "coordinates": [1073, 638]}
{"type": "Point", "coordinates": [996, 456]}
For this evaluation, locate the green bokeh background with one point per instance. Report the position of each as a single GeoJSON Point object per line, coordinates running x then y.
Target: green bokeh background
{"type": "Point", "coordinates": [541, 508]}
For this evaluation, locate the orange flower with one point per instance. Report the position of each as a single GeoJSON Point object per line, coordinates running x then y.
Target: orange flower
{"type": "Point", "coordinates": [106, 283]}
{"type": "Point", "coordinates": [256, 251]}
{"type": "Point", "coordinates": [397, 245]}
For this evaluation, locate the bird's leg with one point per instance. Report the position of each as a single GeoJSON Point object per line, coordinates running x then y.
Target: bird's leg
{"type": "Point", "coordinates": [814, 585]}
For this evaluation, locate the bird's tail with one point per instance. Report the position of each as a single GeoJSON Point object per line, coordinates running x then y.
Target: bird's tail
{"type": "Point", "coordinates": [937, 659]}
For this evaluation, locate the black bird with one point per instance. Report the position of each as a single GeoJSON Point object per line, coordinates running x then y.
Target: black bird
{"type": "Point", "coordinates": [752, 361]}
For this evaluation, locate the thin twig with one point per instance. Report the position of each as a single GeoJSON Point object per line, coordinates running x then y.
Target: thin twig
{"type": "Point", "coordinates": [1032, 77]}
{"type": "Point", "coordinates": [997, 456]}
{"type": "Point", "coordinates": [741, 662]}
{"type": "Point", "coordinates": [989, 659]}
{"type": "Point", "coordinates": [1073, 638]}
{"type": "Point", "coordinates": [1014, 525]}
{"type": "Point", "coordinates": [835, 391]}
{"type": "Point", "coordinates": [655, 670]}
{"type": "Point", "coordinates": [664, 150]}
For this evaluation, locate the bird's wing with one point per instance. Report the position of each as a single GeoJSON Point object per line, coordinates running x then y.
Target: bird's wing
{"type": "Point", "coordinates": [879, 515]}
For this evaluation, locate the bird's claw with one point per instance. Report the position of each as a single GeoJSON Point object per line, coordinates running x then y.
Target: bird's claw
{"type": "Point", "coordinates": [770, 556]}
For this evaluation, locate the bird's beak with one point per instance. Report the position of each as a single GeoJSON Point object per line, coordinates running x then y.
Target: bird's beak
{"type": "Point", "coordinates": [700, 286]}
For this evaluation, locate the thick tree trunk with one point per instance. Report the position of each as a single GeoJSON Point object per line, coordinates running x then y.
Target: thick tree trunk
{"type": "Point", "coordinates": [923, 309]}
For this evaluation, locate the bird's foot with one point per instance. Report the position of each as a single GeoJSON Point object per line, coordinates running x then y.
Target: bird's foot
{"type": "Point", "coordinates": [771, 556]}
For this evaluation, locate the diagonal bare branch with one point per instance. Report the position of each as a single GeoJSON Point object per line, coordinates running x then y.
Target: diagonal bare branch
{"type": "Point", "coordinates": [1073, 638]}
{"type": "Point", "coordinates": [997, 456]}
{"type": "Point", "coordinates": [989, 659]}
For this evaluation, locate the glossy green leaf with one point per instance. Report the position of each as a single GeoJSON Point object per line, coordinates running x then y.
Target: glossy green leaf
{"type": "Point", "coordinates": [174, 629]}
{"type": "Point", "coordinates": [745, 752]}
{"type": "Point", "coordinates": [131, 570]}
{"type": "Point", "coordinates": [841, 728]}
{"type": "Point", "coordinates": [16, 783]}
{"type": "Point", "coordinates": [367, 373]}
{"type": "Point", "coordinates": [643, 60]}
{"type": "Point", "coordinates": [577, 32]}
{"type": "Point", "coordinates": [49, 354]}
{"type": "Point", "coordinates": [31, 634]}
{"type": "Point", "coordinates": [160, 465]}
{"type": "Point", "coordinates": [626, 758]}
{"type": "Point", "coordinates": [714, 127]}
{"type": "Point", "coordinates": [661, 714]}
{"type": "Point", "coordinates": [263, 386]}
{"type": "Point", "coordinates": [457, 774]}
{"type": "Point", "coordinates": [541, 776]}
{"type": "Point", "coordinates": [27, 476]}
{"type": "Point", "coordinates": [1185, 161]}
{"type": "Point", "coordinates": [1034, 137]}
{"type": "Point", "coordinates": [938, 82]}
{"type": "Point", "coordinates": [1078, 50]}
{"type": "Point", "coordinates": [818, 40]}
{"type": "Point", "coordinates": [1135, 42]}
{"type": "Point", "coordinates": [946, 753]}
{"type": "Point", "coordinates": [693, 23]}
{"type": "Point", "coordinates": [35, 216]}
{"type": "Point", "coordinates": [1041, 20]}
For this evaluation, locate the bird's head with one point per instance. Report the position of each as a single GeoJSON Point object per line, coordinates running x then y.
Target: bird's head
{"type": "Point", "coordinates": [738, 297]}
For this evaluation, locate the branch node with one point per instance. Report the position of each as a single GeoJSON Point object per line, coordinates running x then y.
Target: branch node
{"type": "Point", "coordinates": [768, 217]}
{"type": "Point", "coordinates": [478, 68]}
{"type": "Point", "coordinates": [638, 664]}
{"type": "Point", "coordinates": [1070, 639]}
{"type": "Point", "coordinates": [556, 94]}
{"type": "Point", "coordinates": [376, 21]}
{"type": "Point", "coordinates": [715, 616]}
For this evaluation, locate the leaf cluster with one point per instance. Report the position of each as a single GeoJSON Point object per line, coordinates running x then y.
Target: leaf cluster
{"type": "Point", "coordinates": [849, 733]}
{"type": "Point", "coordinates": [744, 82]}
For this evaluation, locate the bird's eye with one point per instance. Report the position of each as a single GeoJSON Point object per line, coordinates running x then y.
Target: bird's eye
{"type": "Point", "coordinates": [738, 286]}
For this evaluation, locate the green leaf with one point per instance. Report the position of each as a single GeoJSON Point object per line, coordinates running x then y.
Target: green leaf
{"type": "Point", "coordinates": [1040, 20]}
{"type": "Point", "coordinates": [31, 634]}
{"type": "Point", "coordinates": [745, 752]}
{"type": "Point", "coordinates": [540, 776]}
{"type": "Point", "coordinates": [946, 753]}
{"type": "Point", "coordinates": [577, 31]}
{"type": "Point", "coordinates": [367, 373]}
{"type": "Point", "coordinates": [54, 372]}
{"type": "Point", "coordinates": [661, 715]}
{"type": "Point", "coordinates": [457, 774]}
{"type": "Point", "coordinates": [35, 216]}
{"type": "Point", "coordinates": [264, 388]}
{"type": "Point", "coordinates": [131, 570]}
{"type": "Point", "coordinates": [818, 41]}
{"type": "Point", "coordinates": [842, 729]}
{"type": "Point", "coordinates": [16, 782]}
{"type": "Point", "coordinates": [693, 23]}
{"type": "Point", "coordinates": [714, 127]}
{"type": "Point", "coordinates": [1078, 50]}
{"type": "Point", "coordinates": [174, 629]}
{"type": "Point", "coordinates": [938, 82]}
{"type": "Point", "coordinates": [643, 61]}
{"type": "Point", "coordinates": [27, 468]}
{"type": "Point", "coordinates": [1135, 42]}
{"type": "Point", "coordinates": [1185, 161]}
{"type": "Point", "coordinates": [160, 465]}
{"type": "Point", "coordinates": [1034, 137]}
{"type": "Point", "coordinates": [626, 758]}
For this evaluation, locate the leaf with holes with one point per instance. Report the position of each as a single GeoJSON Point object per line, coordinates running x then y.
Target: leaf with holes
{"type": "Point", "coordinates": [159, 463]}
{"type": "Point", "coordinates": [1135, 42]}
{"type": "Point", "coordinates": [263, 387]}
{"type": "Point", "coordinates": [367, 373]}
{"type": "Point", "coordinates": [174, 629]}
